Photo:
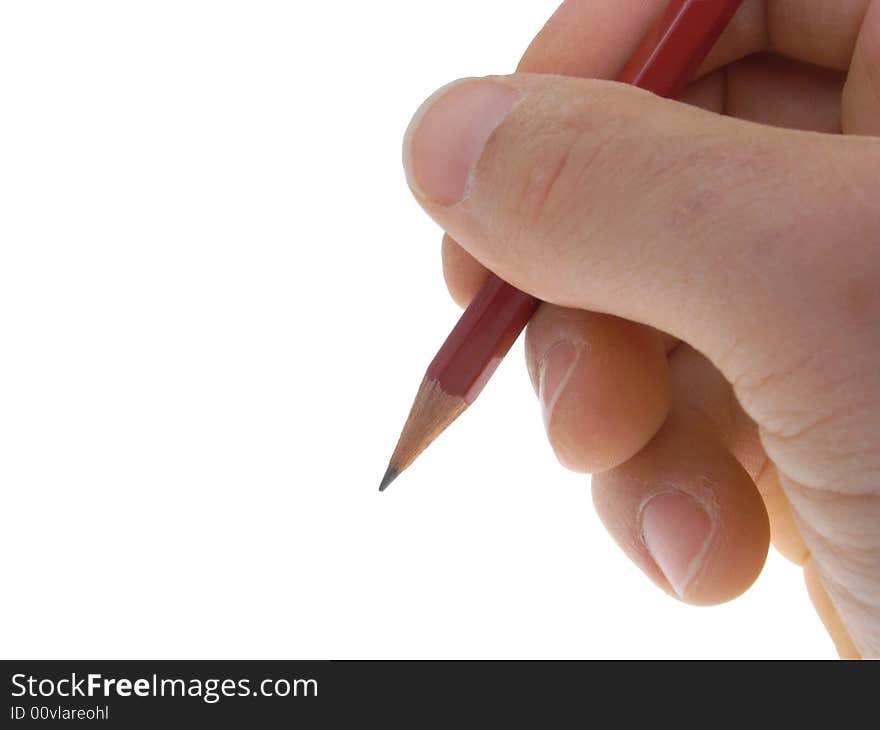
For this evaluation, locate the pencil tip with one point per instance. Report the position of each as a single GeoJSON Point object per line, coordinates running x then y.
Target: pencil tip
{"type": "Point", "coordinates": [389, 477]}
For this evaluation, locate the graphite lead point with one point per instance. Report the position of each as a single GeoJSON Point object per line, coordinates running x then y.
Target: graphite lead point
{"type": "Point", "coordinates": [389, 477]}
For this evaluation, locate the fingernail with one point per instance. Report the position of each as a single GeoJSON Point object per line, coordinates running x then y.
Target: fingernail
{"type": "Point", "coordinates": [676, 530]}
{"type": "Point", "coordinates": [555, 370]}
{"type": "Point", "coordinates": [447, 135]}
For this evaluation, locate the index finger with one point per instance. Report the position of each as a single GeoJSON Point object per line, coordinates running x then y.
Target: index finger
{"type": "Point", "coordinates": [594, 38]}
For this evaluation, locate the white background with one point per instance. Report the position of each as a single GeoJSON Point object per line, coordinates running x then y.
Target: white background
{"type": "Point", "coordinates": [216, 301]}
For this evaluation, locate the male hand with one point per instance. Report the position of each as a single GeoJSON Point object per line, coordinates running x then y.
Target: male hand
{"type": "Point", "coordinates": [710, 349]}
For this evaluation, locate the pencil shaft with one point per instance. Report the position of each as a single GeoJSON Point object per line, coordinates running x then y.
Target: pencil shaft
{"type": "Point", "coordinates": [672, 52]}
{"type": "Point", "coordinates": [484, 334]}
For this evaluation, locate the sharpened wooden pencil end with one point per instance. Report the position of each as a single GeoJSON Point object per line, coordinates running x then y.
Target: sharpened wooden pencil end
{"type": "Point", "coordinates": [432, 412]}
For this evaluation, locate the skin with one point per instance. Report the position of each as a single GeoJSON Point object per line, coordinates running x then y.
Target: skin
{"type": "Point", "coordinates": [716, 272]}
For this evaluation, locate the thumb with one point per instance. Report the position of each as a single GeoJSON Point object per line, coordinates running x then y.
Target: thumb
{"type": "Point", "coordinates": [599, 196]}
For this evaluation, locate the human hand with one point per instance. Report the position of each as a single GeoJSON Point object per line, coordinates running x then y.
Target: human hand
{"type": "Point", "coordinates": [710, 349]}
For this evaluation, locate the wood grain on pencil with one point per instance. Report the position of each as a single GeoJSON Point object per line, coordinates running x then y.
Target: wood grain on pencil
{"type": "Point", "coordinates": [665, 61]}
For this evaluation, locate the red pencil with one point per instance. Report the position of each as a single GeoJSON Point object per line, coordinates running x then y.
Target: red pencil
{"type": "Point", "coordinates": [664, 63]}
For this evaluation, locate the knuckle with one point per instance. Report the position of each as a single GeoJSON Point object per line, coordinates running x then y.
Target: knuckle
{"type": "Point", "coordinates": [557, 162]}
